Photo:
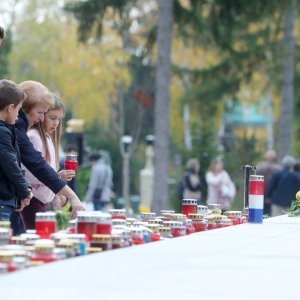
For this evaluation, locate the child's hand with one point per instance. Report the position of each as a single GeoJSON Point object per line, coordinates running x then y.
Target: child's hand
{"type": "Point", "coordinates": [67, 175]}
{"type": "Point", "coordinates": [25, 202]}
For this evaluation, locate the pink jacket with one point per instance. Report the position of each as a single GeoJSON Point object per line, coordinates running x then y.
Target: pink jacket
{"type": "Point", "coordinates": [39, 190]}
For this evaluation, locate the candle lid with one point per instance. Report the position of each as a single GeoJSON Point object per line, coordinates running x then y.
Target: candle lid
{"type": "Point", "coordinates": [164, 229]}
{"type": "Point", "coordinates": [148, 215]}
{"type": "Point", "coordinates": [102, 217]}
{"type": "Point", "coordinates": [173, 224]}
{"type": "Point", "coordinates": [233, 213]}
{"type": "Point", "coordinates": [72, 157]}
{"type": "Point", "coordinates": [45, 216]}
{"type": "Point", "coordinates": [189, 201]}
{"type": "Point", "coordinates": [91, 250]}
{"type": "Point", "coordinates": [196, 216]}
{"type": "Point", "coordinates": [104, 238]}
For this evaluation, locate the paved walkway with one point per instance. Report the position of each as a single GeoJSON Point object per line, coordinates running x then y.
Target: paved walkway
{"type": "Point", "coordinates": [240, 262]}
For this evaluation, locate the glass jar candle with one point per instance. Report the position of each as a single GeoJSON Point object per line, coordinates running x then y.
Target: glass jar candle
{"type": "Point", "coordinates": [4, 236]}
{"type": "Point", "coordinates": [202, 209]}
{"type": "Point", "coordinates": [235, 216]}
{"type": "Point", "coordinates": [80, 242]}
{"type": "Point", "coordinates": [102, 241]}
{"type": "Point", "coordinates": [43, 251]}
{"type": "Point", "coordinates": [198, 222]}
{"type": "Point", "coordinates": [165, 232]}
{"type": "Point", "coordinates": [189, 227]}
{"type": "Point", "coordinates": [103, 223]}
{"type": "Point", "coordinates": [215, 208]}
{"type": "Point", "coordinates": [30, 238]}
{"type": "Point", "coordinates": [18, 240]}
{"type": "Point", "coordinates": [20, 263]}
{"type": "Point", "coordinates": [69, 246]}
{"type": "Point", "coordinates": [219, 221]}
{"type": "Point", "coordinates": [189, 206]}
{"type": "Point", "coordinates": [211, 224]}
{"type": "Point", "coordinates": [176, 228]}
{"type": "Point", "coordinates": [118, 213]}
{"type": "Point", "coordinates": [60, 253]}
{"type": "Point", "coordinates": [137, 236]}
{"type": "Point", "coordinates": [6, 257]}
{"type": "Point", "coordinates": [71, 162]}
{"type": "Point", "coordinates": [226, 221]}
{"type": "Point", "coordinates": [45, 224]}
{"type": "Point", "coordinates": [116, 241]}
{"type": "Point", "coordinates": [155, 235]}
{"type": "Point", "coordinates": [86, 224]}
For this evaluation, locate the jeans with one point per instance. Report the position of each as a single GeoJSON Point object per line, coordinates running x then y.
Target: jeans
{"type": "Point", "coordinates": [5, 212]}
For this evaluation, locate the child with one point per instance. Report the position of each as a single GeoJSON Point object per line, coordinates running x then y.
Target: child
{"type": "Point", "coordinates": [33, 110]}
{"type": "Point", "coordinates": [45, 137]}
{"type": "Point", "coordinates": [15, 192]}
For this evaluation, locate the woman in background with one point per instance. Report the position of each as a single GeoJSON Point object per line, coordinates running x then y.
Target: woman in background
{"type": "Point", "coordinates": [190, 185]}
{"type": "Point", "coordinates": [220, 188]}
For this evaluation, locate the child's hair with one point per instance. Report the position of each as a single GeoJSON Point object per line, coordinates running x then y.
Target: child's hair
{"type": "Point", "coordinates": [193, 164]}
{"type": "Point", "coordinates": [10, 93]}
{"type": "Point", "coordinates": [56, 135]}
{"type": "Point", "coordinates": [36, 93]}
{"type": "Point", "coordinates": [214, 162]}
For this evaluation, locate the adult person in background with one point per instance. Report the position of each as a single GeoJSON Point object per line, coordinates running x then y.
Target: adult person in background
{"type": "Point", "coordinates": [221, 190]}
{"type": "Point", "coordinates": [38, 102]}
{"type": "Point", "coordinates": [267, 168]}
{"type": "Point", "coordinates": [283, 187]}
{"type": "Point", "coordinates": [100, 183]}
{"type": "Point", "coordinates": [190, 184]}
{"type": "Point", "coordinates": [1, 34]}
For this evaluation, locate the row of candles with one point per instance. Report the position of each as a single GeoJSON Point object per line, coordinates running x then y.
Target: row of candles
{"type": "Point", "coordinates": [96, 231]}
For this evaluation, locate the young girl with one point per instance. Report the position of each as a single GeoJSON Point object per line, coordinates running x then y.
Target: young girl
{"type": "Point", "coordinates": [45, 137]}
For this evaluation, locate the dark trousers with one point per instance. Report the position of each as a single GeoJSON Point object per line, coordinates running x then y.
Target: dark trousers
{"type": "Point", "coordinates": [28, 213]}
{"type": "Point", "coordinates": [7, 213]}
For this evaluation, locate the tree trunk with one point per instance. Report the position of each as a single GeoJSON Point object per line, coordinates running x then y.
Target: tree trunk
{"type": "Point", "coordinates": [287, 88]}
{"type": "Point", "coordinates": [162, 104]}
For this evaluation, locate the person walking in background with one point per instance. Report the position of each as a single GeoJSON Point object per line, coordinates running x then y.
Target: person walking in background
{"type": "Point", "coordinates": [190, 184]}
{"type": "Point", "coordinates": [283, 187]}
{"type": "Point", "coordinates": [45, 138]}
{"type": "Point", "coordinates": [1, 34]}
{"type": "Point", "coordinates": [267, 168]}
{"type": "Point", "coordinates": [38, 102]}
{"type": "Point", "coordinates": [100, 183]}
{"type": "Point", "coordinates": [220, 188]}
{"type": "Point", "coordinates": [15, 191]}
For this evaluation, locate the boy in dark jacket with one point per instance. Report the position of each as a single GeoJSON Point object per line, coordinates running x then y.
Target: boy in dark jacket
{"type": "Point", "coordinates": [15, 192]}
